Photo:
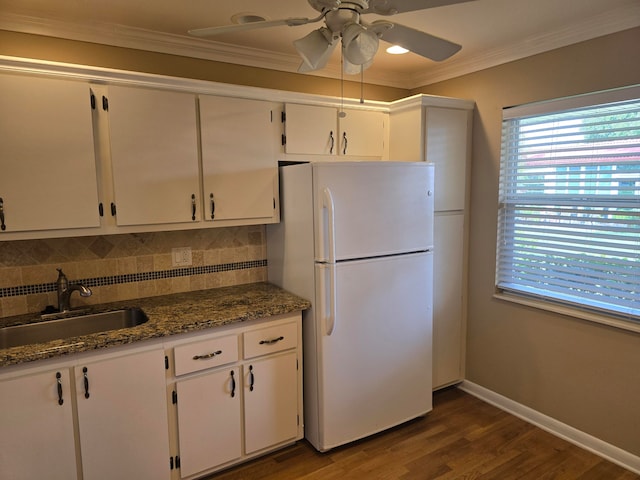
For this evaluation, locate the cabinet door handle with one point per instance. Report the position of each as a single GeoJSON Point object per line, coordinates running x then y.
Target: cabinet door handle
{"type": "Point", "coordinates": [251, 378]}
{"type": "Point", "coordinates": [213, 206]}
{"type": "Point", "coordinates": [193, 207]}
{"type": "Point", "coordinates": [207, 355]}
{"type": "Point", "coordinates": [86, 382]}
{"type": "Point", "coordinates": [332, 140]}
{"type": "Point", "coordinates": [2, 225]}
{"type": "Point", "coordinates": [60, 399]}
{"type": "Point", "coordinates": [233, 385]}
{"type": "Point", "coordinates": [345, 142]}
{"type": "Point", "coordinates": [272, 341]}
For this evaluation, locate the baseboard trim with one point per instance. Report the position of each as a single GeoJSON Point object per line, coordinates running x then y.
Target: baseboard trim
{"type": "Point", "coordinates": [555, 427]}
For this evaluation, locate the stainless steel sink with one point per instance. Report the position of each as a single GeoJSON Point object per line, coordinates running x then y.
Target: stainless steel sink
{"type": "Point", "coordinates": [72, 326]}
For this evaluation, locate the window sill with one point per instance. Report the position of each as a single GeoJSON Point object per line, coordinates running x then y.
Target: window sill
{"type": "Point", "coordinates": [628, 325]}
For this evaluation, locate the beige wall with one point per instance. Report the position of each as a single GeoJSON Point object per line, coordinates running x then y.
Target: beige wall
{"type": "Point", "coordinates": [580, 373]}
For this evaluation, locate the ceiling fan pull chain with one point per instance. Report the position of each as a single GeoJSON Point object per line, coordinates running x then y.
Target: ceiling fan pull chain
{"type": "Point", "coordinates": [342, 114]}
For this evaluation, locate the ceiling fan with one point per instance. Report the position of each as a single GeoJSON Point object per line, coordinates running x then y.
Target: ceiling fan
{"type": "Point", "coordinates": [343, 20]}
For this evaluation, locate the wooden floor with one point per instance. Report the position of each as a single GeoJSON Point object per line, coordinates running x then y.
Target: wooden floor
{"type": "Point", "coordinates": [462, 438]}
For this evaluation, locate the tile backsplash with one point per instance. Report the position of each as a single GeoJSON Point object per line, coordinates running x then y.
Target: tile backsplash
{"type": "Point", "coordinates": [127, 266]}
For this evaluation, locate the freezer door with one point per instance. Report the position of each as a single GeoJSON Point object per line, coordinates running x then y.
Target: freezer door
{"type": "Point", "coordinates": [368, 209]}
{"type": "Point", "coordinates": [374, 366]}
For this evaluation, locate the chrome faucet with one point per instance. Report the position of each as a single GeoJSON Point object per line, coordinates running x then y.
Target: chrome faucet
{"type": "Point", "coordinates": [65, 289]}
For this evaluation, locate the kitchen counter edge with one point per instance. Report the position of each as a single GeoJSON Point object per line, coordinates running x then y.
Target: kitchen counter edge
{"type": "Point", "coordinates": [168, 315]}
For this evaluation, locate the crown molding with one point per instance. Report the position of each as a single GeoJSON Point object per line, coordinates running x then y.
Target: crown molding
{"type": "Point", "coordinates": [612, 21]}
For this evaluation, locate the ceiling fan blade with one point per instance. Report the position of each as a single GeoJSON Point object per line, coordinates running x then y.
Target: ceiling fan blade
{"type": "Point", "coordinates": [211, 31]}
{"type": "Point", "coordinates": [391, 7]}
{"type": "Point", "coordinates": [429, 46]}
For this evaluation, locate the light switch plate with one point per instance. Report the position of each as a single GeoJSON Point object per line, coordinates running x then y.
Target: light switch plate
{"type": "Point", "coordinates": [181, 257]}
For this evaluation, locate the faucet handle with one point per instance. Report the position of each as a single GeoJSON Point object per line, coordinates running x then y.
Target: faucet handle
{"type": "Point", "coordinates": [62, 281]}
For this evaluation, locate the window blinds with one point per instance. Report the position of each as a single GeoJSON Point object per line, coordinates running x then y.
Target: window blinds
{"type": "Point", "coordinates": [569, 216]}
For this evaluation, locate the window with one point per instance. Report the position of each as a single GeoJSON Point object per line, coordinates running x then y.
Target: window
{"type": "Point", "coordinates": [569, 214]}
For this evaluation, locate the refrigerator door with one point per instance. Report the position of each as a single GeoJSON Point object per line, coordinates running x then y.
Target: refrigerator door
{"type": "Point", "coordinates": [373, 332]}
{"type": "Point", "coordinates": [369, 209]}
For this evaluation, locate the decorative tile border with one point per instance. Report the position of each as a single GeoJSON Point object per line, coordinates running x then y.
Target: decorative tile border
{"type": "Point", "coordinates": [133, 277]}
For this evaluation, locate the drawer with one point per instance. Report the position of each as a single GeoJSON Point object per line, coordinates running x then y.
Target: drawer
{"type": "Point", "coordinates": [205, 354]}
{"type": "Point", "coordinates": [270, 340]}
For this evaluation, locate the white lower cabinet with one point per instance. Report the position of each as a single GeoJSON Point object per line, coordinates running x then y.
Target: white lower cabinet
{"type": "Point", "coordinates": [270, 402]}
{"type": "Point", "coordinates": [36, 424]}
{"type": "Point", "coordinates": [209, 420]}
{"type": "Point", "coordinates": [238, 394]}
{"type": "Point", "coordinates": [234, 393]}
{"type": "Point", "coordinates": [448, 306]}
{"type": "Point", "coordinates": [122, 417]}
{"type": "Point", "coordinates": [116, 414]}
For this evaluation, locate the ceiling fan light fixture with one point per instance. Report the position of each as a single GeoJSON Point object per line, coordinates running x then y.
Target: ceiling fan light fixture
{"type": "Point", "coordinates": [315, 49]}
{"type": "Point", "coordinates": [351, 69]}
{"type": "Point", "coordinates": [397, 50]}
{"type": "Point", "coordinates": [359, 44]}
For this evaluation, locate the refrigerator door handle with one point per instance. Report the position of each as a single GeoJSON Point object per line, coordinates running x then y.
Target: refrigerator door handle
{"type": "Point", "coordinates": [327, 285]}
{"type": "Point", "coordinates": [329, 226]}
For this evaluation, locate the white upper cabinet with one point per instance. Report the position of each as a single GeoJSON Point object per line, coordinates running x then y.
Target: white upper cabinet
{"type": "Point", "coordinates": [439, 135]}
{"type": "Point", "coordinates": [311, 129]}
{"type": "Point", "coordinates": [447, 131]}
{"type": "Point", "coordinates": [239, 159]}
{"type": "Point", "coordinates": [154, 156]}
{"type": "Point", "coordinates": [362, 133]}
{"type": "Point", "coordinates": [47, 159]}
{"type": "Point", "coordinates": [318, 130]}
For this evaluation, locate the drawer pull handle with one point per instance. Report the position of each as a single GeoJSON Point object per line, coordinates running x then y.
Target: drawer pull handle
{"type": "Point", "coordinates": [252, 379]}
{"type": "Point", "coordinates": [272, 341]}
{"type": "Point", "coordinates": [207, 355]}
{"type": "Point", "coordinates": [60, 399]}
{"type": "Point", "coordinates": [233, 385]}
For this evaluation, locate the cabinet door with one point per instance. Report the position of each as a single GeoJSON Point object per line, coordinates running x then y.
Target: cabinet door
{"type": "Point", "coordinates": [447, 147]}
{"type": "Point", "coordinates": [47, 158]}
{"type": "Point", "coordinates": [239, 158]}
{"type": "Point", "coordinates": [209, 424]}
{"type": "Point", "coordinates": [270, 401]}
{"type": "Point", "coordinates": [37, 438]}
{"type": "Point", "coordinates": [311, 129]}
{"type": "Point", "coordinates": [448, 340]}
{"type": "Point", "coordinates": [122, 417]}
{"type": "Point", "coordinates": [362, 133]}
{"type": "Point", "coordinates": [154, 155]}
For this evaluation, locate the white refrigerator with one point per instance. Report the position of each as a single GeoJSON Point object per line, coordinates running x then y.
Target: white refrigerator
{"type": "Point", "coordinates": [356, 238]}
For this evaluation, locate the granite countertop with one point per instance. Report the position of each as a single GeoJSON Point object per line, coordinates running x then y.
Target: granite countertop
{"type": "Point", "coordinates": [168, 315]}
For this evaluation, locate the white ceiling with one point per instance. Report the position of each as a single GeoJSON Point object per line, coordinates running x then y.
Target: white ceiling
{"type": "Point", "coordinates": [491, 32]}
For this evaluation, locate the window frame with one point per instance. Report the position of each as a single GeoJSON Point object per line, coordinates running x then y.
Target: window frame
{"type": "Point", "coordinates": [545, 302]}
